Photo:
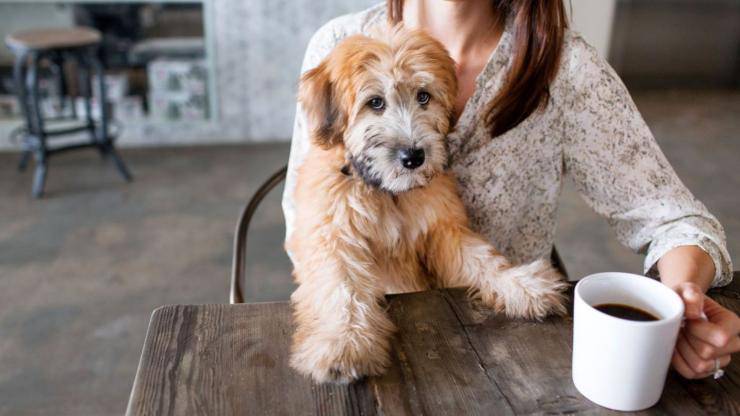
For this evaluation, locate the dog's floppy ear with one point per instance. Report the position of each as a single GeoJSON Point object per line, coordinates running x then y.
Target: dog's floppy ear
{"type": "Point", "coordinates": [325, 118]}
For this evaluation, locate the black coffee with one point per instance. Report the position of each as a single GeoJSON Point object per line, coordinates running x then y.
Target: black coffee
{"type": "Point", "coordinates": [626, 312]}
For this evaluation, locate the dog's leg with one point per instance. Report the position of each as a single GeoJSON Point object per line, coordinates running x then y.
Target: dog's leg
{"type": "Point", "coordinates": [460, 257]}
{"type": "Point", "coordinates": [343, 332]}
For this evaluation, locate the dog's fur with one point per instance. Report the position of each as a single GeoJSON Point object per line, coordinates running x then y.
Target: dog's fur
{"type": "Point", "coordinates": [366, 226]}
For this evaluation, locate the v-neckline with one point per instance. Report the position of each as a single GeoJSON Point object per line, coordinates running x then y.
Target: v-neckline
{"type": "Point", "coordinates": [480, 81]}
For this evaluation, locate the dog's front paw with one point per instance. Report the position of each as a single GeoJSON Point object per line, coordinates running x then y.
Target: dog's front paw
{"type": "Point", "coordinates": [341, 359]}
{"type": "Point", "coordinates": [530, 291]}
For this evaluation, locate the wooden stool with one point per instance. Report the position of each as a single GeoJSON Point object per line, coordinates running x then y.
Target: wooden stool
{"type": "Point", "coordinates": [54, 47]}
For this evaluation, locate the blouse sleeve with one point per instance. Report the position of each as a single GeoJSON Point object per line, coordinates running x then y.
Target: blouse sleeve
{"type": "Point", "coordinates": [621, 172]}
{"type": "Point", "coordinates": [321, 43]}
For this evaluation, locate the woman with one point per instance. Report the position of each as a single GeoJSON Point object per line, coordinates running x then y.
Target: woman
{"type": "Point", "coordinates": [536, 103]}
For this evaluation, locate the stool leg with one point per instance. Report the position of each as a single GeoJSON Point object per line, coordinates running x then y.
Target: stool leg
{"type": "Point", "coordinates": [85, 90]}
{"type": "Point", "coordinates": [120, 165]}
{"type": "Point", "coordinates": [39, 176]}
{"type": "Point", "coordinates": [32, 84]}
{"type": "Point", "coordinates": [87, 74]}
{"type": "Point", "coordinates": [57, 69]}
{"type": "Point", "coordinates": [105, 142]}
{"type": "Point", "coordinates": [23, 163]}
{"type": "Point", "coordinates": [19, 76]}
{"type": "Point", "coordinates": [37, 128]}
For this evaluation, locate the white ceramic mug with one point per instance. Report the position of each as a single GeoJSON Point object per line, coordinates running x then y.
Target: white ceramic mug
{"type": "Point", "coordinates": [617, 363]}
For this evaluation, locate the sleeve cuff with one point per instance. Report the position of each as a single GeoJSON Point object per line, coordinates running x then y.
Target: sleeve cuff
{"type": "Point", "coordinates": [722, 264]}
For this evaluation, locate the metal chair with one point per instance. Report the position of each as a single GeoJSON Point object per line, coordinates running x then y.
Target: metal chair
{"type": "Point", "coordinates": [242, 228]}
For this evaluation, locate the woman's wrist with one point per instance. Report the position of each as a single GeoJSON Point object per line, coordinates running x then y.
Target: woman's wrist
{"type": "Point", "coordinates": [686, 264]}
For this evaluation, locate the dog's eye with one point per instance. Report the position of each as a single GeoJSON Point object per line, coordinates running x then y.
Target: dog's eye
{"type": "Point", "coordinates": [376, 103]}
{"type": "Point", "coordinates": [423, 97]}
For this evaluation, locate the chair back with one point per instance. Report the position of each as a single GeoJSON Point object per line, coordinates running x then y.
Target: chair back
{"type": "Point", "coordinates": [238, 267]}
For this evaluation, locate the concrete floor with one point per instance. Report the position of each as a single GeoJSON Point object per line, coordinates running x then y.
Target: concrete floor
{"type": "Point", "coordinates": [82, 269]}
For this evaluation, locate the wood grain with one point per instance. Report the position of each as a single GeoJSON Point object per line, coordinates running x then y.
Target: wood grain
{"type": "Point", "coordinates": [436, 370]}
{"type": "Point", "coordinates": [231, 360]}
{"type": "Point", "coordinates": [532, 362]}
{"type": "Point", "coordinates": [450, 357]}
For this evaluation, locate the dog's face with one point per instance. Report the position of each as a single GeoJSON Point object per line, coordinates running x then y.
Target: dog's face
{"type": "Point", "coordinates": [389, 101]}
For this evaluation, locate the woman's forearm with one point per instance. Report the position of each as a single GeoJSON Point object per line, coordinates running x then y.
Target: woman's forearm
{"type": "Point", "coordinates": [686, 264]}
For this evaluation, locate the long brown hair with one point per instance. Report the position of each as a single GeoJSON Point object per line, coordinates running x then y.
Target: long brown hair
{"type": "Point", "coordinates": [538, 28]}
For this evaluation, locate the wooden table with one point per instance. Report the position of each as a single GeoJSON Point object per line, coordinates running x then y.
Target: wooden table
{"type": "Point", "coordinates": [449, 358]}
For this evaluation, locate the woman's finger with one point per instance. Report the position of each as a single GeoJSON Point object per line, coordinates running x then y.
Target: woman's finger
{"type": "Point", "coordinates": [680, 365]}
{"type": "Point", "coordinates": [704, 349]}
{"type": "Point", "coordinates": [691, 357]}
{"type": "Point", "coordinates": [708, 351]}
{"type": "Point", "coordinates": [693, 299]}
{"type": "Point", "coordinates": [718, 334]}
{"type": "Point", "coordinates": [724, 361]}
{"type": "Point", "coordinates": [722, 316]}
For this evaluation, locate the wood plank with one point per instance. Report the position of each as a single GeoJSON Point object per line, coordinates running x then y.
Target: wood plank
{"type": "Point", "coordinates": [531, 363]}
{"type": "Point", "coordinates": [231, 360]}
{"type": "Point", "coordinates": [435, 369]}
{"type": "Point", "coordinates": [450, 357]}
{"type": "Point", "coordinates": [529, 360]}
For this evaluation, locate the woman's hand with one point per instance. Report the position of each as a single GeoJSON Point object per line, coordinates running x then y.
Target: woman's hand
{"type": "Point", "coordinates": [710, 333]}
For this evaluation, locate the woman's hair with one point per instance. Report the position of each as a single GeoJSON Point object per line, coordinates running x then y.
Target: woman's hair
{"type": "Point", "coordinates": [538, 27]}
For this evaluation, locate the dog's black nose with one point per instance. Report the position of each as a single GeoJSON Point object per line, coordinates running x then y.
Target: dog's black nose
{"type": "Point", "coordinates": [411, 158]}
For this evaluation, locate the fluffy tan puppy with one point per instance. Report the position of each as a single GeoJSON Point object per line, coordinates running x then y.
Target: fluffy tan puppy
{"type": "Point", "coordinates": [376, 211]}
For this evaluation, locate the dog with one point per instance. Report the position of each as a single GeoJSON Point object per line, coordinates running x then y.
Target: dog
{"type": "Point", "coordinates": [377, 212]}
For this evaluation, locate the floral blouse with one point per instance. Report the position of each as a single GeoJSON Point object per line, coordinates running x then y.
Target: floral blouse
{"type": "Point", "coordinates": [590, 130]}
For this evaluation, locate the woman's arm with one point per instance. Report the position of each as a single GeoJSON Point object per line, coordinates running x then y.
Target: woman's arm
{"type": "Point", "coordinates": [622, 173]}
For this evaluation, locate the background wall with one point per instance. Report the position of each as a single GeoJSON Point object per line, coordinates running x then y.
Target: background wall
{"type": "Point", "coordinates": [33, 15]}
{"type": "Point", "coordinates": [258, 46]}
{"type": "Point", "coordinates": [677, 43]}
{"type": "Point", "coordinates": [593, 19]}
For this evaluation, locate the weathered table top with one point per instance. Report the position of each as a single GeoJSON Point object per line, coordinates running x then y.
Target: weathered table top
{"type": "Point", "coordinates": [449, 358]}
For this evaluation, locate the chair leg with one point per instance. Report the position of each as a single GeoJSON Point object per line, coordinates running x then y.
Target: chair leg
{"type": "Point", "coordinates": [23, 163]}
{"type": "Point", "coordinates": [39, 178]}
